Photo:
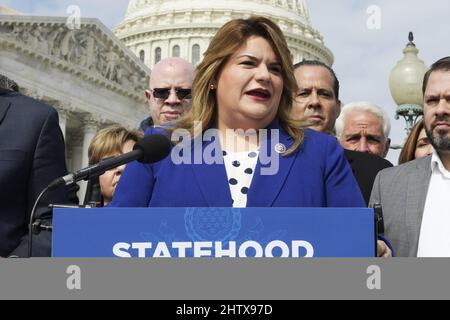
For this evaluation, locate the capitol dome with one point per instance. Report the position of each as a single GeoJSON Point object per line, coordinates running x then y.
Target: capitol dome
{"type": "Point", "coordinates": [157, 29]}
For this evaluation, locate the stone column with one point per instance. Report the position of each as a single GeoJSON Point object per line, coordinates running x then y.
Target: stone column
{"type": "Point", "coordinates": [90, 127]}
{"type": "Point", "coordinates": [63, 122]}
{"type": "Point", "coordinates": [65, 111]}
{"type": "Point", "coordinates": [64, 115]}
{"type": "Point", "coordinates": [69, 157]}
{"type": "Point", "coordinates": [166, 45]}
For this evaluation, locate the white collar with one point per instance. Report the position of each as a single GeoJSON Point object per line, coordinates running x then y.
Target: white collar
{"type": "Point", "coordinates": [436, 164]}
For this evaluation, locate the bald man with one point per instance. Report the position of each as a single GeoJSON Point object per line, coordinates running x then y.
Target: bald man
{"type": "Point", "coordinates": [169, 93]}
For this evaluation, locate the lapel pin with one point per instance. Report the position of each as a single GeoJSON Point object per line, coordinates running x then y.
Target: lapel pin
{"type": "Point", "coordinates": [280, 148]}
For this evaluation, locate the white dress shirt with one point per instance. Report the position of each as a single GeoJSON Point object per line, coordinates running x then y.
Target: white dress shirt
{"type": "Point", "coordinates": [434, 238]}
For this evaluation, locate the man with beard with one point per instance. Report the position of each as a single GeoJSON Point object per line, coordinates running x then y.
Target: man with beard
{"type": "Point", "coordinates": [414, 195]}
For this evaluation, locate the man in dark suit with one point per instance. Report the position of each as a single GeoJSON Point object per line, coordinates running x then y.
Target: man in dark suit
{"type": "Point", "coordinates": [365, 168]}
{"type": "Point", "coordinates": [31, 156]}
{"type": "Point", "coordinates": [318, 102]}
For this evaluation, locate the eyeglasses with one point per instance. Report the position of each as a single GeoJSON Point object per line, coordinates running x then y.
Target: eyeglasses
{"type": "Point", "coordinates": [164, 93]}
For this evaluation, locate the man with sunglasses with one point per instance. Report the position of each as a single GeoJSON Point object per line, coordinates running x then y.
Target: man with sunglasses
{"type": "Point", "coordinates": [169, 93]}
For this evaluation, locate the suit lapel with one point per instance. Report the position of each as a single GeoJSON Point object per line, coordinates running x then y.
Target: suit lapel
{"type": "Point", "coordinates": [418, 183]}
{"type": "Point", "coordinates": [212, 181]}
{"type": "Point", "coordinates": [4, 107]}
{"type": "Point", "coordinates": [266, 187]}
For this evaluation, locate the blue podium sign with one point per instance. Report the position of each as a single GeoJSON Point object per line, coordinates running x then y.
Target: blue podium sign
{"type": "Point", "coordinates": [214, 232]}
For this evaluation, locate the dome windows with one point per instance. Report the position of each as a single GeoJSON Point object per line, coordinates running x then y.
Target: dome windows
{"type": "Point", "coordinates": [195, 54]}
{"type": "Point", "coordinates": [157, 55]}
{"type": "Point", "coordinates": [176, 51]}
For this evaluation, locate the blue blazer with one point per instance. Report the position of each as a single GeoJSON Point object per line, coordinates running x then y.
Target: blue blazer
{"type": "Point", "coordinates": [31, 156]}
{"type": "Point", "coordinates": [316, 175]}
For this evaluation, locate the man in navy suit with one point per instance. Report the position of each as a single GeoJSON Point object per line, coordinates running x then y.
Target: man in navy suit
{"type": "Point", "coordinates": [31, 156]}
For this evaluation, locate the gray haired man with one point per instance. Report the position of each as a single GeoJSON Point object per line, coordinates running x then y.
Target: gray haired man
{"type": "Point", "coordinates": [364, 127]}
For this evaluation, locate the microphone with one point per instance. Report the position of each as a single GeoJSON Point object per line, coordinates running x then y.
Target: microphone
{"type": "Point", "coordinates": [150, 149]}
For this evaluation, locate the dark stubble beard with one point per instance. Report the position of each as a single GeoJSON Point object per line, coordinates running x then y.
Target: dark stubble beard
{"type": "Point", "coordinates": [440, 142]}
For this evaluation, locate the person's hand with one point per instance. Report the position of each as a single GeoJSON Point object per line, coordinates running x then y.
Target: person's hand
{"type": "Point", "coordinates": [383, 250]}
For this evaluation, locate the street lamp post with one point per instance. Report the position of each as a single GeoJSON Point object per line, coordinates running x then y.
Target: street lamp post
{"type": "Point", "coordinates": [406, 86]}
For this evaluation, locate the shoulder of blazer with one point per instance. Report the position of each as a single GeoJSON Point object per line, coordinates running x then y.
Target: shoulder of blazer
{"type": "Point", "coordinates": [24, 104]}
{"type": "Point", "coordinates": [423, 163]}
{"type": "Point", "coordinates": [407, 168]}
{"type": "Point", "coordinates": [316, 140]}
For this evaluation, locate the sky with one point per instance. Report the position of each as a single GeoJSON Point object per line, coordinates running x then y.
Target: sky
{"type": "Point", "coordinates": [364, 57]}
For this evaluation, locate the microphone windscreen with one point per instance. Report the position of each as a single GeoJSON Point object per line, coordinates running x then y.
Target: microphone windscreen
{"type": "Point", "coordinates": [154, 148]}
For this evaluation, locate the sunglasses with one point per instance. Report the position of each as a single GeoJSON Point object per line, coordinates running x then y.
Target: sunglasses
{"type": "Point", "coordinates": [164, 93]}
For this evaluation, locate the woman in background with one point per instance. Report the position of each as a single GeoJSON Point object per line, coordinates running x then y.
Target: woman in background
{"type": "Point", "coordinates": [417, 145]}
{"type": "Point", "coordinates": [109, 142]}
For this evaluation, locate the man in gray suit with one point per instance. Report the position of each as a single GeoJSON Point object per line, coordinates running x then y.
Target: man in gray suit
{"type": "Point", "coordinates": [414, 196]}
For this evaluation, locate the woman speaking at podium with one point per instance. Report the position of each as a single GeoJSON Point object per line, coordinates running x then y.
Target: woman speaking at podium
{"type": "Point", "coordinates": [243, 150]}
{"type": "Point", "coordinates": [242, 96]}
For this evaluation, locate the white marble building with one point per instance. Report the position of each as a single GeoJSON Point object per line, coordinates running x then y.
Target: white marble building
{"type": "Point", "coordinates": [87, 74]}
{"type": "Point", "coordinates": [156, 29]}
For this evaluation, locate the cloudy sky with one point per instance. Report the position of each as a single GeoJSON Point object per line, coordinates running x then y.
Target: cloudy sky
{"type": "Point", "coordinates": [364, 57]}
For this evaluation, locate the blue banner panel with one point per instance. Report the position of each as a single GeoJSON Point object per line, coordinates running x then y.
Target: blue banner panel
{"type": "Point", "coordinates": [213, 232]}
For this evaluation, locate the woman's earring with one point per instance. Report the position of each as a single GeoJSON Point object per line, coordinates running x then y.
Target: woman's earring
{"type": "Point", "coordinates": [213, 87]}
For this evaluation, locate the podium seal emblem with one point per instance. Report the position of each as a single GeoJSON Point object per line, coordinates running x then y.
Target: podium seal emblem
{"type": "Point", "coordinates": [212, 224]}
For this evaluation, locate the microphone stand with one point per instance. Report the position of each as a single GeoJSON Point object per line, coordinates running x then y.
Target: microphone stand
{"type": "Point", "coordinates": [32, 226]}
{"type": "Point", "coordinates": [69, 179]}
{"type": "Point", "coordinates": [37, 226]}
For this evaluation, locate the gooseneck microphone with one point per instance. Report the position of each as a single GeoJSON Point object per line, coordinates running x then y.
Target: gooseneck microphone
{"type": "Point", "coordinates": [150, 149]}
